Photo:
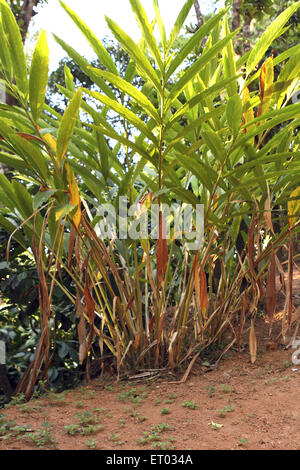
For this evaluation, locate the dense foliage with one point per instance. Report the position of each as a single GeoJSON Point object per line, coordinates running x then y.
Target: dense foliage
{"type": "Point", "coordinates": [221, 133]}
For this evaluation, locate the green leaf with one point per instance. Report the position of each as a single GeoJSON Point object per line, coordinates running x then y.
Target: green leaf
{"type": "Point", "coordinates": [160, 24]}
{"type": "Point", "coordinates": [229, 61]}
{"type": "Point", "coordinates": [10, 228]}
{"type": "Point", "coordinates": [195, 123]}
{"type": "Point", "coordinates": [275, 117]}
{"type": "Point", "coordinates": [85, 66]}
{"type": "Point", "coordinates": [4, 53]}
{"type": "Point", "coordinates": [204, 173]}
{"type": "Point", "coordinates": [8, 189]}
{"type": "Point", "coordinates": [126, 113]}
{"type": "Point", "coordinates": [23, 199]}
{"type": "Point", "coordinates": [214, 143]}
{"type": "Point", "coordinates": [100, 50]}
{"type": "Point", "coordinates": [199, 98]}
{"type": "Point", "coordinates": [139, 97]}
{"type": "Point", "coordinates": [127, 143]}
{"type": "Point", "coordinates": [103, 151]}
{"type": "Point", "coordinates": [147, 32]}
{"type": "Point", "coordinates": [135, 53]}
{"type": "Point", "coordinates": [69, 80]}
{"type": "Point", "coordinates": [17, 55]}
{"type": "Point", "coordinates": [268, 36]}
{"type": "Point", "coordinates": [179, 23]}
{"type": "Point", "coordinates": [64, 209]}
{"type": "Point", "coordinates": [234, 110]}
{"type": "Point", "coordinates": [196, 67]}
{"type": "Point", "coordinates": [38, 76]}
{"type": "Point", "coordinates": [67, 125]}
{"type": "Point", "coordinates": [13, 161]}
{"type": "Point", "coordinates": [41, 197]}
{"type": "Point", "coordinates": [193, 42]}
{"type": "Point", "coordinates": [288, 76]}
{"type": "Point", "coordinates": [32, 156]}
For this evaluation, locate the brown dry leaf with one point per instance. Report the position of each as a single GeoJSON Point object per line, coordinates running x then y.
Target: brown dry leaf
{"type": "Point", "coordinates": [89, 301]}
{"type": "Point", "coordinates": [251, 247]}
{"type": "Point", "coordinates": [271, 295]}
{"type": "Point", "coordinates": [290, 282]}
{"type": "Point", "coordinates": [161, 250]}
{"type": "Point", "coordinates": [271, 346]}
{"type": "Point", "coordinates": [242, 320]}
{"type": "Point", "coordinates": [137, 341]}
{"type": "Point", "coordinates": [151, 324]}
{"type": "Point", "coordinates": [268, 213]}
{"type": "Point", "coordinates": [159, 335]}
{"type": "Point", "coordinates": [252, 342]}
{"type": "Point", "coordinates": [197, 283]}
{"type": "Point", "coordinates": [81, 329]}
{"type": "Point", "coordinates": [203, 291]}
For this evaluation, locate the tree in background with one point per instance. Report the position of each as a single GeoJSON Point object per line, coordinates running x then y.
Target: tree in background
{"type": "Point", "coordinates": [24, 11]}
{"type": "Point", "coordinates": [254, 16]}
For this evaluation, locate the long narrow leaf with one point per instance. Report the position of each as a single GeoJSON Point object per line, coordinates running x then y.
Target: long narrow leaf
{"type": "Point", "coordinates": [140, 99]}
{"type": "Point", "coordinates": [268, 36]}
{"type": "Point", "coordinates": [147, 32]}
{"type": "Point", "coordinates": [100, 50]}
{"type": "Point", "coordinates": [67, 125]}
{"type": "Point", "coordinates": [196, 67]}
{"type": "Point", "coordinates": [15, 46]}
{"type": "Point", "coordinates": [179, 23]}
{"type": "Point", "coordinates": [193, 42]}
{"type": "Point", "coordinates": [126, 113]}
{"type": "Point", "coordinates": [38, 76]}
{"type": "Point", "coordinates": [134, 51]}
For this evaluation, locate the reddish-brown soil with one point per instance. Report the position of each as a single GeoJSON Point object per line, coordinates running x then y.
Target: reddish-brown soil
{"type": "Point", "coordinates": [238, 405]}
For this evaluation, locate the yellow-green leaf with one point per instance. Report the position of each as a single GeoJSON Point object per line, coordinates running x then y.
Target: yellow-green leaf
{"type": "Point", "coordinates": [179, 22]}
{"type": "Point", "coordinates": [4, 53]}
{"type": "Point", "coordinates": [74, 194]}
{"type": "Point", "coordinates": [229, 60]}
{"type": "Point", "coordinates": [147, 32]}
{"type": "Point", "coordinates": [266, 79]}
{"type": "Point", "coordinates": [132, 91]}
{"type": "Point", "coordinates": [266, 39]}
{"type": "Point", "coordinates": [294, 207]}
{"type": "Point", "coordinates": [67, 125]}
{"type": "Point", "coordinates": [39, 76]}
{"type": "Point", "coordinates": [234, 113]}
{"type": "Point", "coordinates": [100, 50]}
{"type": "Point", "coordinates": [17, 55]}
{"type": "Point", "coordinates": [135, 53]}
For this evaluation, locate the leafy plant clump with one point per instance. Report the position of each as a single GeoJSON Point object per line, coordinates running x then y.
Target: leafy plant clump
{"type": "Point", "coordinates": [216, 141]}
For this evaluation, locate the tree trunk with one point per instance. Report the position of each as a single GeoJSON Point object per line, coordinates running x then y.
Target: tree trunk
{"type": "Point", "coordinates": [26, 14]}
{"type": "Point", "coordinates": [236, 16]}
{"type": "Point", "coordinates": [246, 33]}
{"type": "Point", "coordinates": [199, 15]}
{"type": "Point", "coordinates": [236, 23]}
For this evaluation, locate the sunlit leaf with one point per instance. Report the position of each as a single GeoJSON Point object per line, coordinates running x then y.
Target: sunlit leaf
{"type": "Point", "coordinates": [67, 125]}
{"type": "Point", "coordinates": [38, 76]}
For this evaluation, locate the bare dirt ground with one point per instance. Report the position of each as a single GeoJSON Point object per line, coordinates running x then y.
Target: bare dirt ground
{"type": "Point", "coordinates": [239, 405]}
